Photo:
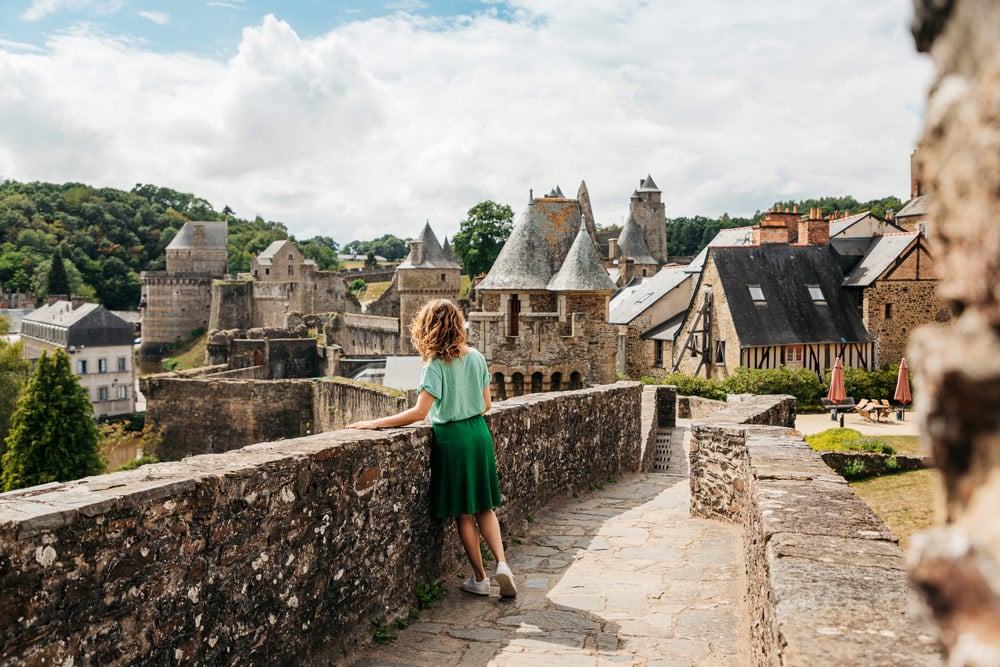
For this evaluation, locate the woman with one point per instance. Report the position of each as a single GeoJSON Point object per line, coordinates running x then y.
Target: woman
{"type": "Point", "coordinates": [455, 393]}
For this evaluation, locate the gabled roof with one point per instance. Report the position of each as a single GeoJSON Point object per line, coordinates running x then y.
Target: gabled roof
{"type": "Point", "coordinates": [883, 251]}
{"type": "Point", "coordinates": [840, 225]}
{"type": "Point", "coordinates": [270, 252]}
{"type": "Point", "coordinates": [635, 298]}
{"type": "Point", "coordinates": [666, 330]}
{"type": "Point", "coordinates": [215, 236]}
{"type": "Point", "coordinates": [582, 270]}
{"type": "Point", "coordinates": [89, 324]}
{"type": "Point", "coordinates": [524, 262]}
{"type": "Point", "coordinates": [632, 243]}
{"type": "Point", "coordinates": [788, 314]}
{"type": "Point", "coordinates": [648, 185]}
{"type": "Point", "coordinates": [916, 206]}
{"type": "Point", "coordinates": [732, 236]}
{"type": "Point", "coordinates": [432, 255]}
{"type": "Point", "coordinates": [849, 250]}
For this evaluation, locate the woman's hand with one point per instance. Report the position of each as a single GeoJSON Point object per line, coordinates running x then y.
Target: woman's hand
{"type": "Point", "coordinates": [371, 425]}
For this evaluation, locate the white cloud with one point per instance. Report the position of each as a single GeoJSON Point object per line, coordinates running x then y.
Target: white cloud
{"type": "Point", "coordinates": [159, 18]}
{"type": "Point", "coordinates": [381, 124]}
{"type": "Point", "coordinates": [42, 8]}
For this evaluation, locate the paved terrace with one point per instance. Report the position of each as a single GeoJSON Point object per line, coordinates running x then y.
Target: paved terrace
{"type": "Point", "coordinates": [620, 575]}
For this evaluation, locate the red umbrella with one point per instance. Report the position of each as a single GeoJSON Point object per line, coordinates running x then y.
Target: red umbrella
{"type": "Point", "coordinates": [902, 394]}
{"type": "Point", "coordinates": [837, 392]}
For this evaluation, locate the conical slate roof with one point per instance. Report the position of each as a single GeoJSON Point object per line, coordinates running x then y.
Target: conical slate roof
{"type": "Point", "coordinates": [556, 193]}
{"type": "Point", "coordinates": [448, 252]}
{"type": "Point", "coordinates": [582, 270]}
{"type": "Point", "coordinates": [524, 262]}
{"type": "Point", "coordinates": [632, 243]}
{"type": "Point", "coordinates": [432, 255]}
{"type": "Point", "coordinates": [648, 185]}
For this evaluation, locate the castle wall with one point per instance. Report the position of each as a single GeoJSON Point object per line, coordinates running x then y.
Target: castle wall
{"type": "Point", "coordinates": [174, 305]}
{"type": "Point", "coordinates": [912, 304]}
{"type": "Point", "coordinates": [338, 402]}
{"type": "Point", "coordinates": [279, 553]}
{"type": "Point", "coordinates": [232, 305]}
{"type": "Point", "coordinates": [214, 261]}
{"type": "Point", "coordinates": [418, 286]}
{"type": "Point", "coordinates": [651, 216]}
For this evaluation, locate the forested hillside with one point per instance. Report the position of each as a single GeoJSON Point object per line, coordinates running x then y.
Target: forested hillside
{"type": "Point", "coordinates": [109, 236]}
{"type": "Point", "coordinates": [687, 236]}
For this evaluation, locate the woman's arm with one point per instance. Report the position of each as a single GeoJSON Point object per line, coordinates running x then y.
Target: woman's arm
{"type": "Point", "coordinates": [414, 414]}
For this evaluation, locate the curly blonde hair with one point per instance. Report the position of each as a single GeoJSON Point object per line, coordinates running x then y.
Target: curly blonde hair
{"type": "Point", "coordinates": [438, 331]}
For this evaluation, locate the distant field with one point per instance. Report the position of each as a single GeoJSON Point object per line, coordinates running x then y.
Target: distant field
{"type": "Point", "coordinates": [907, 502]}
{"type": "Point", "coordinates": [374, 290]}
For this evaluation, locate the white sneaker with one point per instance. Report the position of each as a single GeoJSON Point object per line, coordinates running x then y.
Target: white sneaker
{"type": "Point", "coordinates": [505, 578]}
{"type": "Point", "coordinates": [470, 585]}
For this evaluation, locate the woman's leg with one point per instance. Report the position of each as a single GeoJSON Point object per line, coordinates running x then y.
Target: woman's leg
{"type": "Point", "coordinates": [490, 528]}
{"type": "Point", "coordinates": [469, 535]}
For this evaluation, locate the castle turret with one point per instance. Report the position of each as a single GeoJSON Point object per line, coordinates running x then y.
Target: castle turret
{"type": "Point", "coordinates": [429, 272]}
{"type": "Point", "coordinates": [650, 215]}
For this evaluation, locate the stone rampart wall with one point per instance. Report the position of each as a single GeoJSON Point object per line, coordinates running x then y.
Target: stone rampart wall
{"type": "Point", "coordinates": [276, 553]}
{"type": "Point", "coordinates": [696, 407]}
{"type": "Point", "coordinates": [338, 402]}
{"type": "Point", "coordinates": [826, 583]}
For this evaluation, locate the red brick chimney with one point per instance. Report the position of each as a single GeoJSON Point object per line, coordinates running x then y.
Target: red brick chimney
{"type": "Point", "coordinates": [814, 230]}
{"type": "Point", "coordinates": [779, 226]}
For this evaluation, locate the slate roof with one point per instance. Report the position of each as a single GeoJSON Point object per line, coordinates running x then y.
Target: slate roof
{"type": "Point", "coordinates": [840, 225]}
{"type": "Point", "coordinates": [916, 206]}
{"type": "Point", "coordinates": [667, 330]}
{"type": "Point", "coordinates": [524, 262]}
{"type": "Point", "coordinates": [788, 314]}
{"type": "Point", "coordinates": [632, 243]}
{"type": "Point", "coordinates": [266, 258]}
{"type": "Point", "coordinates": [850, 250]}
{"type": "Point", "coordinates": [648, 185]}
{"type": "Point", "coordinates": [633, 299]}
{"type": "Point", "coordinates": [216, 236]}
{"type": "Point", "coordinates": [882, 252]}
{"type": "Point", "coordinates": [582, 270]}
{"type": "Point", "coordinates": [432, 255]}
{"type": "Point", "coordinates": [732, 236]}
{"type": "Point", "coordinates": [89, 325]}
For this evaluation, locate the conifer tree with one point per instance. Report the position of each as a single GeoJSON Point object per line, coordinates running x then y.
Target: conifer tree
{"type": "Point", "coordinates": [58, 280]}
{"type": "Point", "coordinates": [53, 436]}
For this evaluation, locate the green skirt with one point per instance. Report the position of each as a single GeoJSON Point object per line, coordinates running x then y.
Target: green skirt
{"type": "Point", "coordinates": [463, 469]}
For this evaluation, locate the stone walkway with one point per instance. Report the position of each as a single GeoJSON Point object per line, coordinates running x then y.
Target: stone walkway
{"type": "Point", "coordinates": [620, 575]}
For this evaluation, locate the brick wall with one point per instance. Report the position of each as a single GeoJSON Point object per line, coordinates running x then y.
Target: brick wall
{"type": "Point", "coordinates": [914, 303]}
{"type": "Point", "coordinates": [278, 552]}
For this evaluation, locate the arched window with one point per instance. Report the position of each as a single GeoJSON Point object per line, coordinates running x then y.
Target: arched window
{"type": "Point", "coordinates": [575, 380]}
{"type": "Point", "coordinates": [517, 382]}
{"type": "Point", "coordinates": [499, 387]}
{"type": "Point", "coordinates": [555, 382]}
{"type": "Point", "coordinates": [536, 383]}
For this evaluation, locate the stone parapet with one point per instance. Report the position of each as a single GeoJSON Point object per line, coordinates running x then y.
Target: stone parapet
{"type": "Point", "coordinates": [826, 583]}
{"type": "Point", "coordinates": [277, 552]}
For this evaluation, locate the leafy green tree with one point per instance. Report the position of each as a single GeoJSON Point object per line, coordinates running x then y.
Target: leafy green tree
{"type": "Point", "coordinates": [14, 372]}
{"type": "Point", "coordinates": [323, 250]}
{"type": "Point", "coordinates": [370, 260]}
{"type": "Point", "coordinates": [481, 236]}
{"type": "Point", "coordinates": [53, 436]}
{"type": "Point", "coordinates": [58, 282]}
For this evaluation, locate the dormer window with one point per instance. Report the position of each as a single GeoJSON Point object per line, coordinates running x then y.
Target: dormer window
{"type": "Point", "coordinates": [756, 293]}
{"type": "Point", "coordinates": [816, 294]}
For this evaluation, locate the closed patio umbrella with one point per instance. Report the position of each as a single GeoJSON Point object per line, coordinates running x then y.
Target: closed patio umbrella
{"type": "Point", "coordinates": [902, 394]}
{"type": "Point", "coordinates": [837, 392]}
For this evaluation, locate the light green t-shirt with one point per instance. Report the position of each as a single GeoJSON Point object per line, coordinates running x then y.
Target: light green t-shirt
{"type": "Point", "coordinates": [457, 387]}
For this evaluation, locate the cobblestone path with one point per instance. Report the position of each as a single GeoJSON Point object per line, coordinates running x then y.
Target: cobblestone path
{"type": "Point", "coordinates": [619, 576]}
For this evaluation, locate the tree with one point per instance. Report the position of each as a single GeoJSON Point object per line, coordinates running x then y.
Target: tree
{"type": "Point", "coordinates": [53, 436]}
{"type": "Point", "coordinates": [482, 234]}
{"type": "Point", "coordinates": [14, 372]}
{"type": "Point", "coordinates": [58, 280]}
{"type": "Point", "coordinates": [370, 261]}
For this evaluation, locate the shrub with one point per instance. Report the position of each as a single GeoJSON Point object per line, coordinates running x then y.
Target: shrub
{"type": "Point", "coordinates": [691, 385]}
{"type": "Point", "coordinates": [853, 469]}
{"type": "Point", "coordinates": [801, 383]}
{"type": "Point", "coordinates": [847, 439]}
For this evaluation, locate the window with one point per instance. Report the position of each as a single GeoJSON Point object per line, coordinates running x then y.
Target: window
{"type": "Point", "coordinates": [658, 353]}
{"type": "Point", "coordinates": [442, 277]}
{"type": "Point", "coordinates": [121, 392]}
{"type": "Point", "coordinates": [720, 352]}
{"type": "Point", "coordinates": [102, 393]}
{"type": "Point", "coordinates": [102, 365]}
{"type": "Point", "coordinates": [756, 293]}
{"type": "Point", "coordinates": [815, 293]}
{"type": "Point", "coordinates": [888, 311]}
{"type": "Point", "coordinates": [794, 354]}
{"type": "Point", "coordinates": [267, 272]}
{"type": "Point", "coordinates": [81, 367]}
{"type": "Point", "coordinates": [121, 364]}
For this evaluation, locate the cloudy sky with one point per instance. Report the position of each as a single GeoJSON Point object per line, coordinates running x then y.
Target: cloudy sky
{"type": "Point", "coordinates": [355, 119]}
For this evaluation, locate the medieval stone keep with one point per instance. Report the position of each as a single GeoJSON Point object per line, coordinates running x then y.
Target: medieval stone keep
{"type": "Point", "coordinates": [178, 301]}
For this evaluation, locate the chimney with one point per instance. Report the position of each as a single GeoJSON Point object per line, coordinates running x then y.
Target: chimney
{"type": "Point", "coordinates": [612, 248]}
{"type": "Point", "coordinates": [916, 186]}
{"type": "Point", "coordinates": [814, 230]}
{"type": "Point", "coordinates": [626, 269]}
{"type": "Point", "coordinates": [416, 252]}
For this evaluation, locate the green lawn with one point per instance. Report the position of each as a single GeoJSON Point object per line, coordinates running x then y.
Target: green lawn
{"type": "Point", "coordinates": [907, 502]}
